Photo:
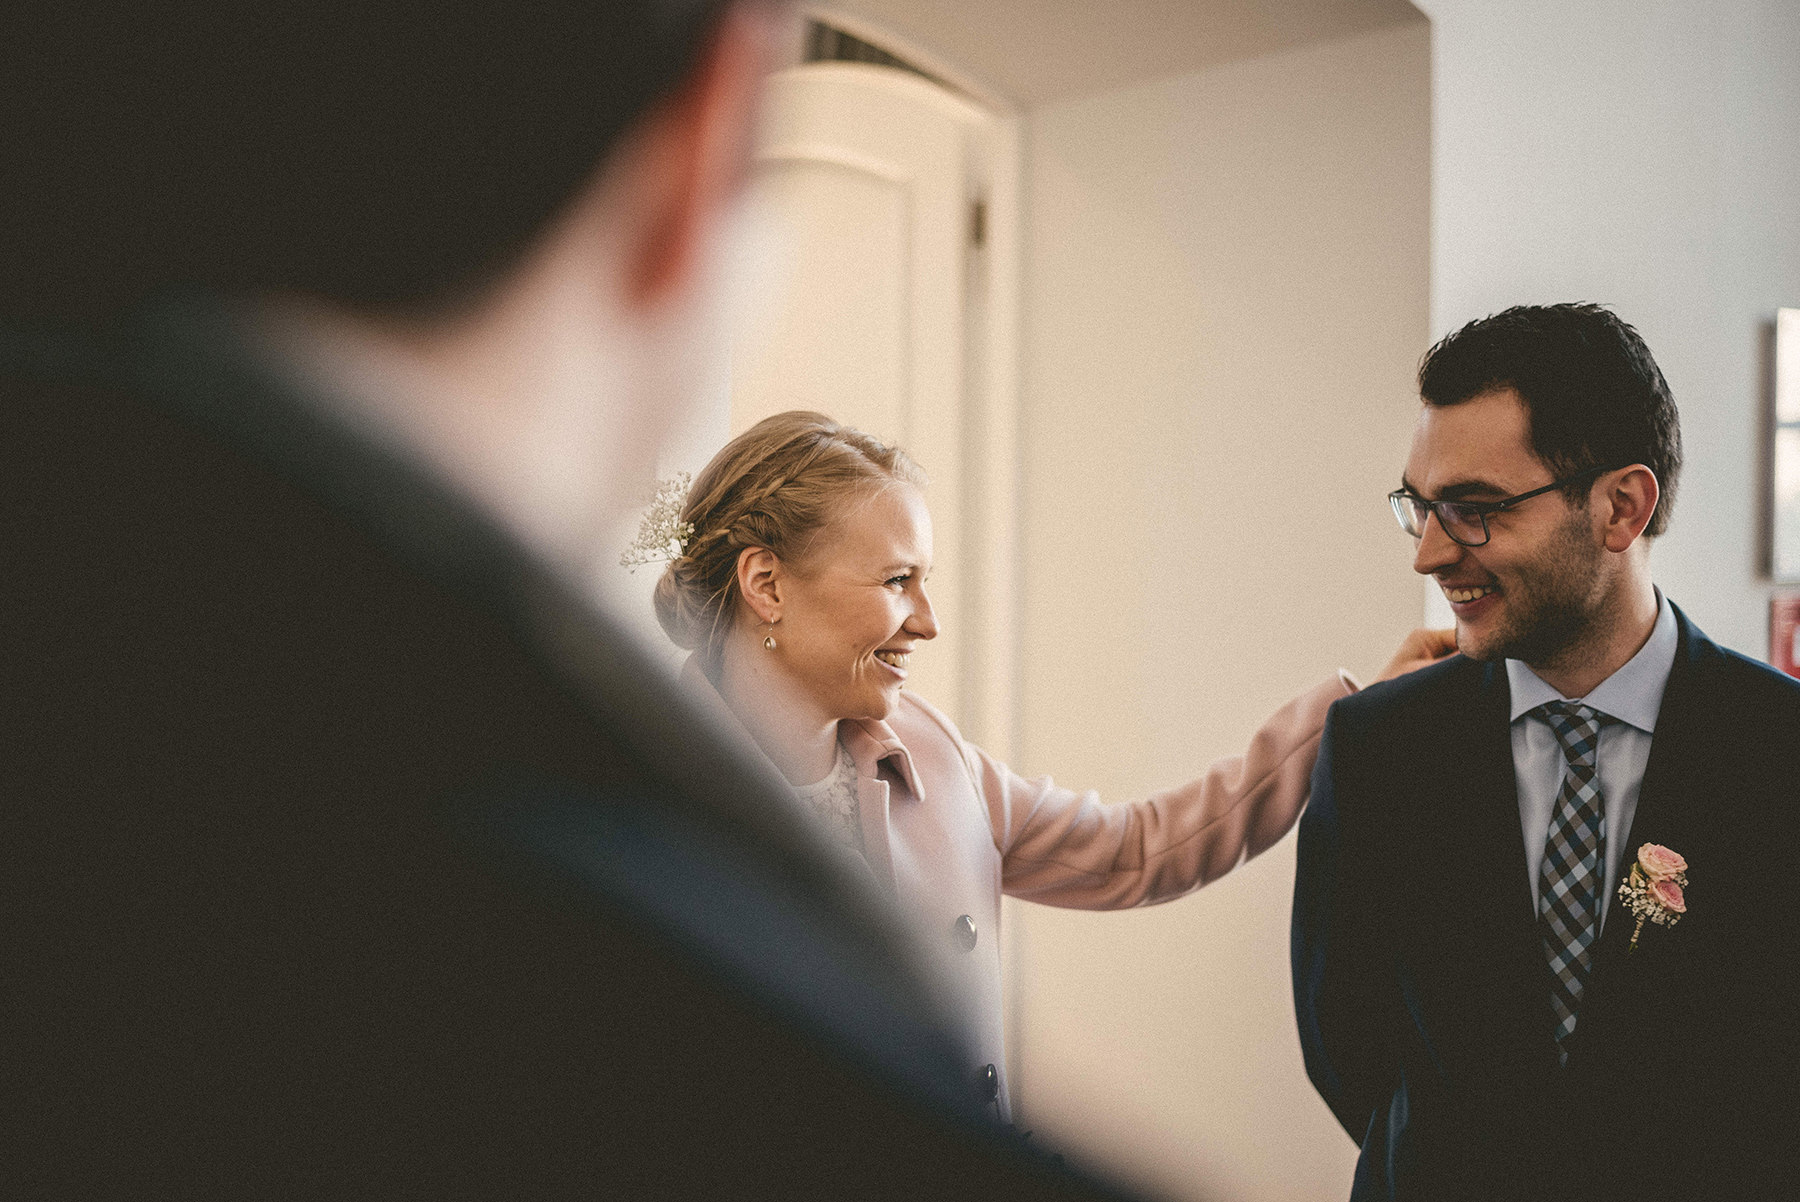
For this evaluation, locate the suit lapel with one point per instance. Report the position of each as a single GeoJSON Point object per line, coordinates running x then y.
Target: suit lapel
{"type": "Point", "coordinates": [1494, 822]}
{"type": "Point", "coordinates": [1680, 752]}
{"type": "Point", "coordinates": [1506, 962]}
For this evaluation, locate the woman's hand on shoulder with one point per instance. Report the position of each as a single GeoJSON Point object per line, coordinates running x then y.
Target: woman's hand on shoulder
{"type": "Point", "coordinates": [1420, 649]}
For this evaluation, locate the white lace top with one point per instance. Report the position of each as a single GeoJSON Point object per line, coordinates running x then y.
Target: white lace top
{"type": "Point", "coordinates": [834, 801]}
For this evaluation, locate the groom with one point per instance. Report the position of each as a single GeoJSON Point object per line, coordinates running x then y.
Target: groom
{"type": "Point", "coordinates": [1470, 1000]}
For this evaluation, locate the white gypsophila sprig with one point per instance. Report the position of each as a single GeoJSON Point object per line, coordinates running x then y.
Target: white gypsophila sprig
{"type": "Point", "coordinates": [1636, 895]}
{"type": "Point", "coordinates": [1654, 894]}
{"type": "Point", "coordinates": [662, 535]}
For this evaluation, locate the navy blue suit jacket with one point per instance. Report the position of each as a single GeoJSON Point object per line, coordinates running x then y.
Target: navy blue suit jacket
{"type": "Point", "coordinates": [1420, 986]}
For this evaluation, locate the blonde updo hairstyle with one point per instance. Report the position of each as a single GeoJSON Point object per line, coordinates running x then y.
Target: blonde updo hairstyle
{"type": "Point", "coordinates": [776, 485]}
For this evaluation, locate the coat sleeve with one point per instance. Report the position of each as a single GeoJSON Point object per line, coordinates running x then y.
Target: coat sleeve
{"type": "Point", "coordinates": [1070, 849]}
{"type": "Point", "coordinates": [1342, 965]}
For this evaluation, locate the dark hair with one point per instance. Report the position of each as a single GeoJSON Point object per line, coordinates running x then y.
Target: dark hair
{"type": "Point", "coordinates": [389, 154]}
{"type": "Point", "coordinates": [1593, 395]}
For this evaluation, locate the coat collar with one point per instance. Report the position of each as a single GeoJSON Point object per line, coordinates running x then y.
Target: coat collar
{"type": "Point", "coordinates": [870, 741]}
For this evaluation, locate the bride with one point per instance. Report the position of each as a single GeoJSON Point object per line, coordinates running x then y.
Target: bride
{"type": "Point", "coordinates": [800, 589]}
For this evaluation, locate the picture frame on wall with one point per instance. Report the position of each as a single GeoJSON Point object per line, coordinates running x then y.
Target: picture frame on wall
{"type": "Point", "coordinates": [1785, 526]}
{"type": "Point", "coordinates": [1784, 634]}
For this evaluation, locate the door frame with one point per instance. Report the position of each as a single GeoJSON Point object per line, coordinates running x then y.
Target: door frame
{"type": "Point", "coordinates": [991, 376]}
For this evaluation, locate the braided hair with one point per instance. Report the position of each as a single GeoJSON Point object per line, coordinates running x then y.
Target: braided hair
{"type": "Point", "coordinates": [775, 486]}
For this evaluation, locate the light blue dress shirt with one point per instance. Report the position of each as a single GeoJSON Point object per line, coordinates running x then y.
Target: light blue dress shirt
{"type": "Point", "coordinates": [1631, 696]}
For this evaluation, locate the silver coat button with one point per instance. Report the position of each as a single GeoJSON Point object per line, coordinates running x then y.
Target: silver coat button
{"type": "Point", "coordinates": [963, 931]}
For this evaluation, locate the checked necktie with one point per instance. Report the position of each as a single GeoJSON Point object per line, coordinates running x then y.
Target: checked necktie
{"type": "Point", "coordinates": [1569, 901]}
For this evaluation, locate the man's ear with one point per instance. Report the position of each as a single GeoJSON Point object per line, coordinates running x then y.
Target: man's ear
{"type": "Point", "coordinates": [1626, 500]}
{"type": "Point", "coordinates": [759, 579]}
{"type": "Point", "coordinates": [695, 153]}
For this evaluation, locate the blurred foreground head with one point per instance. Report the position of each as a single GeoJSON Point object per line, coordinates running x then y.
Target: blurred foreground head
{"type": "Point", "coordinates": [392, 156]}
{"type": "Point", "coordinates": [351, 852]}
{"type": "Point", "coordinates": [496, 234]}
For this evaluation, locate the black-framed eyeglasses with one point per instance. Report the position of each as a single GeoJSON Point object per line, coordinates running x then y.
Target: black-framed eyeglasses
{"type": "Point", "coordinates": [1466, 521]}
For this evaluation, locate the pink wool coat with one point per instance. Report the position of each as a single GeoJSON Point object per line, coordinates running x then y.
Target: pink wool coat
{"type": "Point", "coordinates": [947, 830]}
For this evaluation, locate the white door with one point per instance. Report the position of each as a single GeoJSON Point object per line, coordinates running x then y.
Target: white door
{"type": "Point", "coordinates": [872, 177]}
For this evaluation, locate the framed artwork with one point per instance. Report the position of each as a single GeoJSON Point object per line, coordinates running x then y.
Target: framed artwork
{"type": "Point", "coordinates": [1784, 634]}
{"type": "Point", "coordinates": [1785, 528]}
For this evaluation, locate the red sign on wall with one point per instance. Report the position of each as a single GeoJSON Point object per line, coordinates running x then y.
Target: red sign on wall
{"type": "Point", "coordinates": [1784, 634]}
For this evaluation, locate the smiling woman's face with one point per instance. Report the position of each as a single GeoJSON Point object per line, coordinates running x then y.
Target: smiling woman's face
{"type": "Point", "coordinates": [855, 607]}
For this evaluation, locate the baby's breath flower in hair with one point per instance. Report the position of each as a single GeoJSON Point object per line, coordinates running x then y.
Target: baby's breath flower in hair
{"type": "Point", "coordinates": [772, 487]}
{"type": "Point", "coordinates": [662, 535]}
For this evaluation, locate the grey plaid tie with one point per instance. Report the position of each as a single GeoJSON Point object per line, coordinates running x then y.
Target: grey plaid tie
{"type": "Point", "coordinates": [1569, 901]}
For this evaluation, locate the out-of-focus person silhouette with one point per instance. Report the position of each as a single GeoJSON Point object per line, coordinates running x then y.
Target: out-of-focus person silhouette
{"type": "Point", "coordinates": [349, 852]}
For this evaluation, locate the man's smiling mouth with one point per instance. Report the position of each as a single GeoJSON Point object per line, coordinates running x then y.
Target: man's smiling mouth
{"type": "Point", "coordinates": [894, 659]}
{"type": "Point", "coordinates": [1461, 596]}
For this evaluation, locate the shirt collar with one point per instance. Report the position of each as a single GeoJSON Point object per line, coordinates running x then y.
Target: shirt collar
{"type": "Point", "coordinates": [1632, 695]}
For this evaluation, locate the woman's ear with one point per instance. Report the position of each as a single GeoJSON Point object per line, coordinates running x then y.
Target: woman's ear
{"type": "Point", "coordinates": [1627, 504]}
{"type": "Point", "coordinates": [759, 579]}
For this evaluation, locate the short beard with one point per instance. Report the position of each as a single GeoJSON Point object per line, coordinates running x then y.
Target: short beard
{"type": "Point", "coordinates": [1556, 602]}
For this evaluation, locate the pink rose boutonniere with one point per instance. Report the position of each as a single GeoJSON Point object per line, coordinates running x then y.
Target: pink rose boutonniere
{"type": "Point", "coordinates": [1653, 891]}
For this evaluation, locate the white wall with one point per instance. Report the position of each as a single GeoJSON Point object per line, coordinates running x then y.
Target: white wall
{"type": "Point", "coordinates": [1644, 154]}
{"type": "Point", "coordinates": [1225, 299]}
{"type": "Point", "coordinates": [1222, 298]}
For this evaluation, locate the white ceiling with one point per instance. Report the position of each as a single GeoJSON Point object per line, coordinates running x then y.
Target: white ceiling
{"type": "Point", "coordinates": [1031, 52]}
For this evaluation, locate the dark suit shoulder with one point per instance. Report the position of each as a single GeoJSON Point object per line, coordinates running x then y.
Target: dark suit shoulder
{"type": "Point", "coordinates": [1431, 691]}
{"type": "Point", "coordinates": [1741, 698]}
{"type": "Point", "coordinates": [1374, 739]}
{"type": "Point", "coordinates": [1761, 686]}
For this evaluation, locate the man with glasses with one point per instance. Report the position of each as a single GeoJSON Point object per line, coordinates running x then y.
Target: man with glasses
{"type": "Point", "coordinates": [1502, 988]}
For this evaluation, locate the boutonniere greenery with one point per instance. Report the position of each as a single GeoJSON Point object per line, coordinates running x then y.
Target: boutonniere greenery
{"type": "Point", "coordinates": [1653, 891]}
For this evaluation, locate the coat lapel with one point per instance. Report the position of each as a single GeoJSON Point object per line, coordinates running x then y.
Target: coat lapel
{"type": "Point", "coordinates": [1489, 960]}
{"type": "Point", "coordinates": [872, 797]}
{"type": "Point", "coordinates": [1521, 985]}
{"type": "Point", "coordinates": [879, 755]}
{"type": "Point", "coordinates": [1680, 753]}
{"type": "Point", "coordinates": [1492, 819]}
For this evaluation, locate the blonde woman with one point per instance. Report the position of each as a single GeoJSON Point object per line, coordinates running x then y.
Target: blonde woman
{"type": "Point", "coordinates": [801, 592]}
